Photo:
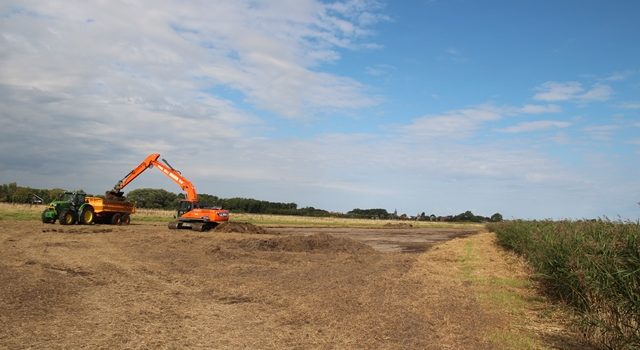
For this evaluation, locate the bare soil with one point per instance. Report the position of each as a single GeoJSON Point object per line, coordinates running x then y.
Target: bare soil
{"type": "Point", "coordinates": [144, 286]}
{"type": "Point", "coordinates": [392, 238]}
{"type": "Point", "coordinates": [240, 227]}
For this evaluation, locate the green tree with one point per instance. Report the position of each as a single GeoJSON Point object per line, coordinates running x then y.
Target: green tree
{"type": "Point", "coordinates": [497, 217]}
{"type": "Point", "coordinates": [22, 195]}
{"type": "Point", "coordinates": [369, 213]}
{"type": "Point", "coordinates": [7, 191]}
{"type": "Point", "coordinates": [153, 198]}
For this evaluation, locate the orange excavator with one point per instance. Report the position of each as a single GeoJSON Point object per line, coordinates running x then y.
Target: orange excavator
{"type": "Point", "coordinates": [189, 214]}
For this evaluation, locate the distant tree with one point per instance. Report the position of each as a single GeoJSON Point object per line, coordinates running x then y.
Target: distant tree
{"type": "Point", "coordinates": [7, 191]}
{"type": "Point", "coordinates": [369, 213]}
{"type": "Point", "coordinates": [22, 195]}
{"type": "Point", "coordinates": [153, 198]}
{"type": "Point", "coordinates": [207, 200]}
{"type": "Point", "coordinates": [497, 217]}
{"type": "Point", "coordinates": [469, 216]}
{"type": "Point", "coordinates": [19, 194]}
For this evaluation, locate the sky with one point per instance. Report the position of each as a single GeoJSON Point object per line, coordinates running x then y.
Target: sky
{"type": "Point", "coordinates": [526, 108]}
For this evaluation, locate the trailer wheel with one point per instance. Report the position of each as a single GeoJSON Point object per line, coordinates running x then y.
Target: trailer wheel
{"type": "Point", "coordinates": [125, 219]}
{"type": "Point", "coordinates": [87, 216]}
{"type": "Point", "coordinates": [67, 218]}
{"type": "Point", "coordinates": [116, 219]}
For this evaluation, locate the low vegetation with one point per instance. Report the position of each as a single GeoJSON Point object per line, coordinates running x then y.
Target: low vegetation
{"type": "Point", "coordinates": [593, 266]}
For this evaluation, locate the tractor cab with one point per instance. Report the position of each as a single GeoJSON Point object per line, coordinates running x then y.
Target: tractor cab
{"type": "Point", "coordinates": [76, 199]}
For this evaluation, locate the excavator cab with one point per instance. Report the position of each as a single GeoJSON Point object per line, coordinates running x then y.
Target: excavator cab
{"type": "Point", "coordinates": [185, 207]}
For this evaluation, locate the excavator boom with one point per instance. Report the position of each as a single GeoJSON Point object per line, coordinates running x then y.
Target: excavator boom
{"type": "Point", "coordinates": [168, 170]}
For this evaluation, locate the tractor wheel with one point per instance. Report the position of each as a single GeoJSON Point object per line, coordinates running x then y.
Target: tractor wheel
{"type": "Point", "coordinates": [87, 216]}
{"type": "Point", "coordinates": [67, 218]}
{"type": "Point", "coordinates": [174, 225]}
{"type": "Point", "coordinates": [47, 220]}
{"type": "Point", "coordinates": [116, 219]}
{"type": "Point", "coordinates": [125, 219]}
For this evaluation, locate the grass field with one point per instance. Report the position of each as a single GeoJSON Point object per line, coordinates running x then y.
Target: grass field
{"type": "Point", "coordinates": [32, 212]}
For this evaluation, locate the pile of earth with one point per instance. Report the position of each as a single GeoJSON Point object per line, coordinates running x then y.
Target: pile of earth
{"type": "Point", "coordinates": [240, 227]}
{"type": "Point", "coordinates": [319, 242]}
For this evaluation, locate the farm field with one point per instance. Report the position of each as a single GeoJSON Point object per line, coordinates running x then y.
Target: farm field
{"type": "Point", "coordinates": [143, 286]}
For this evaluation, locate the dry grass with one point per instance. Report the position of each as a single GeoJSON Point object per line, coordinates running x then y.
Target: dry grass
{"type": "Point", "coordinates": [141, 286]}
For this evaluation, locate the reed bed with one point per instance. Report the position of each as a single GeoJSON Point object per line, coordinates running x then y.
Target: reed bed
{"type": "Point", "coordinates": [593, 266]}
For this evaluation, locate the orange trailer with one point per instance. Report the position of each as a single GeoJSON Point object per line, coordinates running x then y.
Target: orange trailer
{"type": "Point", "coordinates": [115, 212]}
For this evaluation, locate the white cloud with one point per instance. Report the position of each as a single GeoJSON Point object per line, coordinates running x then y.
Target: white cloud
{"type": "Point", "coordinates": [620, 76]}
{"type": "Point", "coordinates": [266, 51]}
{"type": "Point", "coordinates": [630, 105]}
{"type": "Point", "coordinates": [572, 91]}
{"type": "Point", "coordinates": [454, 55]}
{"type": "Point", "coordinates": [457, 123]}
{"type": "Point", "coordinates": [540, 109]}
{"type": "Point", "coordinates": [553, 91]}
{"type": "Point", "coordinates": [462, 123]}
{"type": "Point", "coordinates": [598, 92]}
{"type": "Point", "coordinates": [536, 126]}
{"type": "Point", "coordinates": [602, 132]}
{"type": "Point", "coordinates": [109, 82]}
{"type": "Point", "coordinates": [380, 70]}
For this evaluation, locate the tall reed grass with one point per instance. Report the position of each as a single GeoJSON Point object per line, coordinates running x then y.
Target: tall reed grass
{"type": "Point", "coordinates": [593, 266]}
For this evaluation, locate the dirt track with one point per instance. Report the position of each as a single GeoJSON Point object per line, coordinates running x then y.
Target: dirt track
{"type": "Point", "coordinates": [143, 286]}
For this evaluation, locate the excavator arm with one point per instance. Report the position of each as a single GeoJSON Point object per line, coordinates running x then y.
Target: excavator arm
{"type": "Point", "coordinates": [150, 162]}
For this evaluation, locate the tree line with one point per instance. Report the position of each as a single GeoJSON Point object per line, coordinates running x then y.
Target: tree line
{"type": "Point", "coordinates": [161, 199]}
{"type": "Point", "coordinates": [383, 214]}
{"type": "Point", "coordinates": [151, 198]}
{"type": "Point", "coordinates": [12, 193]}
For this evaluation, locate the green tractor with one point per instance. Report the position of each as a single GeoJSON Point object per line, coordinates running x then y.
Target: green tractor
{"type": "Point", "coordinates": [69, 209]}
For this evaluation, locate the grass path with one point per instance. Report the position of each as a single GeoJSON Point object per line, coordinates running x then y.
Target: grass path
{"type": "Point", "coordinates": [478, 286]}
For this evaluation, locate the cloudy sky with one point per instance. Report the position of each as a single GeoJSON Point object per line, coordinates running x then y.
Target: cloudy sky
{"type": "Point", "coordinates": [527, 108]}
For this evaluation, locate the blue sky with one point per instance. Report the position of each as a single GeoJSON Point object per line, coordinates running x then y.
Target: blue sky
{"type": "Point", "coordinates": [527, 108]}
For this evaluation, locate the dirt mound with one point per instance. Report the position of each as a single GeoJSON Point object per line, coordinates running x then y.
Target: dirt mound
{"type": "Point", "coordinates": [319, 242]}
{"type": "Point", "coordinates": [240, 227]}
{"type": "Point", "coordinates": [397, 225]}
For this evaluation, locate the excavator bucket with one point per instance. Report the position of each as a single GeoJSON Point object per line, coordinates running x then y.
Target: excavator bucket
{"type": "Point", "coordinates": [114, 196]}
